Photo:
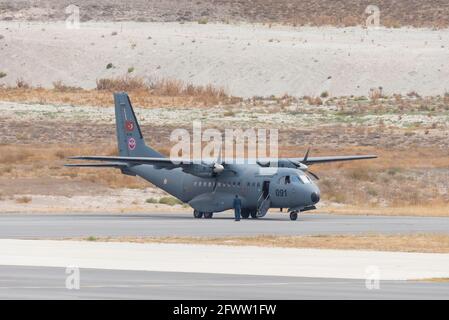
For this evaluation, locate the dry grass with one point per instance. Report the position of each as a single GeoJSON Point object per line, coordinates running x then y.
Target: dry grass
{"type": "Point", "coordinates": [398, 183]}
{"type": "Point", "coordinates": [14, 154]}
{"type": "Point", "coordinates": [387, 157]}
{"type": "Point", "coordinates": [145, 93]}
{"type": "Point", "coordinates": [428, 243]}
{"type": "Point", "coordinates": [433, 280]}
{"type": "Point", "coordinates": [163, 87]}
{"type": "Point", "coordinates": [22, 161]}
{"type": "Point", "coordinates": [61, 87]}
{"type": "Point", "coordinates": [24, 199]}
{"type": "Point", "coordinates": [313, 101]}
{"type": "Point", "coordinates": [433, 209]}
{"type": "Point", "coordinates": [122, 84]}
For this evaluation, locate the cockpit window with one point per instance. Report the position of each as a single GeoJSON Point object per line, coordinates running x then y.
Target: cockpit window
{"type": "Point", "coordinates": [295, 179]}
{"type": "Point", "coordinates": [285, 180]}
{"type": "Point", "coordinates": [305, 179]}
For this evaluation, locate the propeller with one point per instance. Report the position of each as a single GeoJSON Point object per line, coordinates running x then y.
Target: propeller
{"type": "Point", "coordinates": [306, 156]}
{"type": "Point", "coordinates": [303, 165]}
{"type": "Point", "coordinates": [313, 175]}
{"type": "Point", "coordinates": [217, 168]}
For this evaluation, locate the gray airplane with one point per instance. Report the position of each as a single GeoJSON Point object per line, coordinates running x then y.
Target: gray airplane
{"type": "Point", "coordinates": [211, 186]}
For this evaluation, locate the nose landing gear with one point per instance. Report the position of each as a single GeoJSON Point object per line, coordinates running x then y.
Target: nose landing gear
{"type": "Point", "coordinates": [293, 215]}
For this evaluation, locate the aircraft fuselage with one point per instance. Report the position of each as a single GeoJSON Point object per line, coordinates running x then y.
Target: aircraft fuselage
{"type": "Point", "coordinates": [286, 187]}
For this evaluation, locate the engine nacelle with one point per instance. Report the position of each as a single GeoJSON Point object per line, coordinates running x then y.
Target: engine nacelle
{"type": "Point", "coordinates": [201, 170]}
{"type": "Point", "coordinates": [218, 168]}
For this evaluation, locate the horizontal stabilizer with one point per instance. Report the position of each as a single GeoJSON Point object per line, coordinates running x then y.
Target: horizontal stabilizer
{"type": "Point", "coordinates": [135, 160]}
{"type": "Point", "coordinates": [98, 165]}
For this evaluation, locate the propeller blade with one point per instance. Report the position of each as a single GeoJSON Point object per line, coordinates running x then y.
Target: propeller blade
{"type": "Point", "coordinates": [313, 175]}
{"type": "Point", "coordinates": [217, 168]}
{"type": "Point", "coordinates": [219, 161]}
{"type": "Point", "coordinates": [306, 156]}
{"type": "Point", "coordinates": [295, 163]}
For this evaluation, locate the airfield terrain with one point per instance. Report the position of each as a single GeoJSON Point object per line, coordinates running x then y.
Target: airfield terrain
{"type": "Point", "coordinates": [432, 13]}
{"type": "Point", "coordinates": [296, 60]}
{"type": "Point", "coordinates": [338, 90]}
{"type": "Point", "coordinates": [409, 134]}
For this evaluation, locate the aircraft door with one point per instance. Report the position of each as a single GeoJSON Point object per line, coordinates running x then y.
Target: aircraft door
{"type": "Point", "coordinates": [265, 189]}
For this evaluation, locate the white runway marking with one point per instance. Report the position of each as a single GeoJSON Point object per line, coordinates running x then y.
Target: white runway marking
{"type": "Point", "coordinates": [344, 264]}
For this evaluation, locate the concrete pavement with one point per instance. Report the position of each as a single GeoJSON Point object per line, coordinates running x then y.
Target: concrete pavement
{"type": "Point", "coordinates": [32, 226]}
{"type": "Point", "coordinates": [49, 283]}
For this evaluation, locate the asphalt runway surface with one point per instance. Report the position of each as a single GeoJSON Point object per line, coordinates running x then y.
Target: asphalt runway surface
{"type": "Point", "coordinates": [50, 283]}
{"type": "Point", "coordinates": [25, 282]}
{"type": "Point", "coordinates": [35, 226]}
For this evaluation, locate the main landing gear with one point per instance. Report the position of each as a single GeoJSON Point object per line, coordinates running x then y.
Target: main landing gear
{"type": "Point", "coordinates": [293, 215]}
{"type": "Point", "coordinates": [208, 215]}
{"type": "Point", "coordinates": [200, 214]}
{"type": "Point", "coordinates": [246, 213]}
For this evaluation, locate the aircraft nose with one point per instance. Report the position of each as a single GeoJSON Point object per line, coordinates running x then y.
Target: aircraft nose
{"type": "Point", "coordinates": [315, 197]}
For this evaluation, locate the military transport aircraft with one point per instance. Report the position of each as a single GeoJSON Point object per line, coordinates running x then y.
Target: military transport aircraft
{"type": "Point", "coordinates": [211, 186]}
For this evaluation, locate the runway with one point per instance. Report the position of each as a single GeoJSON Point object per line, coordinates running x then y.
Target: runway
{"type": "Point", "coordinates": [35, 226]}
{"type": "Point", "coordinates": [37, 270]}
{"type": "Point", "coordinates": [49, 283]}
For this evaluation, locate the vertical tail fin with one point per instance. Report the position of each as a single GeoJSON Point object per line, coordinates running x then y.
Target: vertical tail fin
{"type": "Point", "coordinates": [129, 136]}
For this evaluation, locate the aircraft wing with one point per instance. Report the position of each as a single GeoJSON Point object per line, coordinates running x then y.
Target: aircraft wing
{"type": "Point", "coordinates": [120, 161]}
{"type": "Point", "coordinates": [199, 169]}
{"type": "Point", "coordinates": [313, 160]}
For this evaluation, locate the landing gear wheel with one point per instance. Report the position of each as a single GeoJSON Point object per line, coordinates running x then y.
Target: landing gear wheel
{"type": "Point", "coordinates": [245, 214]}
{"type": "Point", "coordinates": [208, 215]}
{"type": "Point", "coordinates": [293, 215]}
{"type": "Point", "coordinates": [197, 214]}
{"type": "Point", "coordinates": [254, 214]}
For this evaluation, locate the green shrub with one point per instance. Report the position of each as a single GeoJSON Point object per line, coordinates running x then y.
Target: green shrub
{"type": "Point", "coordinates": [372, 192]}
{"type": "Point", "coordinates": [393, 171]}
{"type": "Point", "coordinates": [169, 201]}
